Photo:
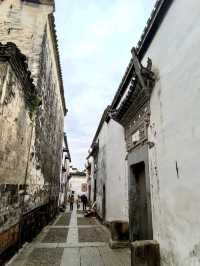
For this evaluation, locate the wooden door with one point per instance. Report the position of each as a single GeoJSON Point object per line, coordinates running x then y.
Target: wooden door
{"type": "Point", "coordinates": [138, 203]}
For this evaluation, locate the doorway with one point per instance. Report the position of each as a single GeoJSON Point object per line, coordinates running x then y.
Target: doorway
{"type": "Point", "coordinates": [104, 203]}
{"type": "Point", "coordinates": [95, 190]}
{"type": "Point", "coordinates": [139, 220]}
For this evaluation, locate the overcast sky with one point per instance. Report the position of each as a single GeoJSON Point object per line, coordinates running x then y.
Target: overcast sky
{"type": "Point", "coordinates": [95, 38]}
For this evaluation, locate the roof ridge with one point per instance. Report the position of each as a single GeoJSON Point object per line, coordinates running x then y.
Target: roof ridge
{"type": "Point", "coordinates": [55, 45]}
{"type": "Point", "coordinates": [10, 53]}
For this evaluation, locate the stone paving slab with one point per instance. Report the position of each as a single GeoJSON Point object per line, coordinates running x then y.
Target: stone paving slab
{"type": "Point", "coordinates": [74, 226]}
{"type": "Point", "coordinates": [56, 235]}
{"type": "Point", "coordinates": [86, 221]}
{"type": "Point", "coordinates": [20, 258]}
{"type": "Point", "coordinates": [72, 237]}
{"type": "Point", "coordinates": [46, 245]}
{"type": "Point", "coordinates": [80, 212]}
{"type": "Point", "coordinates": [82, 245]}
{"type": "Point", "coordinates": [71, 257]}
{"type": "Point", "coordinates": [70, 245]}
{"type": "Point", "coordinates": [45, 257]}
{"type": "Point", "coordinates": [115, 257]}
{"type": "Point", "coordinates": [90, 257]}
{"type": "Point", "coordinates": [64, 219]}
{"type": "Point", "coordinates": [92, 234]}
{"type": "Point", "coordinates": [96, 256]}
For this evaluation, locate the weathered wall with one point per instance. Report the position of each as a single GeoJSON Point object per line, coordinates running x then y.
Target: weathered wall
{"type": "Point", "coordinates": [15, 132]}
{"type": "Point", "coordinates": [28, 26]}
{"type": "Point", "coordinates": [15, 127]}
{"type": "Point", "coordinates": [175, 130]}
{"type": "Point", "coordinates": [24, 23]}
{"type": "Point", "coordinates": [50, 118]}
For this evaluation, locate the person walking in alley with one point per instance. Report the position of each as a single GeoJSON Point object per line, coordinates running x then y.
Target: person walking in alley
{"type": "Point", "coordinates": [78, 202]}
{"type": "Point", "coordinates": [84, 201]}
{"type": "Point", "coordinates": [71, 202]}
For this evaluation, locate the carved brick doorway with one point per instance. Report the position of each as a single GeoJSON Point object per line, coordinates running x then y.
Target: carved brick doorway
{"type": "Point", "coordinates": [138, 203]}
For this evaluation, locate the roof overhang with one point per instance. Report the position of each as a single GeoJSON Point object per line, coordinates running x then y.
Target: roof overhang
{"type": "Point", "coordinates": [138, 89]}
{"type": "Point", "coordinates": [156, 18]}
{"type": "Point", "coordinates": [42, 2]}
{"type": "Point", "coordinates": [57, 59]}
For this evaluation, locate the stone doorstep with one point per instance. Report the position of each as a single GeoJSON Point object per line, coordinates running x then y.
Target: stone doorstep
{"type": "Point", "coordinates": [145, 253]}
{"type": "Point", "coordinates": [114, 244]}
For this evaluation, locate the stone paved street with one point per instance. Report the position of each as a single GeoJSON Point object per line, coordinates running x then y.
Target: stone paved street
{"type": "Point", "coordinates": [72, 240]}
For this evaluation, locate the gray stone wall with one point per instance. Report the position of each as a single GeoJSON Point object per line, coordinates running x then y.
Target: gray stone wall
{"type": "Point", "coordinates": [15, 127]}
{"type": "Point", "coordinates": [23, 23]}
{"type": "Point", "coordinates": [30, 149]}
{"type": "Point", "coordinates": [50, 118]}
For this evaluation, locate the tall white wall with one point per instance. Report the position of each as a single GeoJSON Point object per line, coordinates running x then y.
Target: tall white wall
{"type": "Point", "coordinates": [101, 167]}
{"type": "Point", "coordinates": [175, 129]}
{"type": "Point", "coordinates": [76, 182]}
{"type": "Point", "coordinates": [117, 182]}
{"type": "Point", "coordinates": [112, 172]}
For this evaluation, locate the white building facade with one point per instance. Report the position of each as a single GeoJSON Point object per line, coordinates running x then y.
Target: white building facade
{"type": "Point", "coordinates": [108, 171]}
{"type": "Point", "coordinates": [174, 128]}
{"type": "Point", "coordinates": [78, 183]}
{"type": "Point", "coordinates": [162, 135]}
{"type": "Point", "coordinates": [65, 172]}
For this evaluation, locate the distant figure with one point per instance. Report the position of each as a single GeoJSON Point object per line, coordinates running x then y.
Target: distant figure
{"type": "Point", "coordinates": [78, 202]}
{"type": "Point", "coordinates": [71, 201]}
{"type": "Point", "coordinates": [84, 201]}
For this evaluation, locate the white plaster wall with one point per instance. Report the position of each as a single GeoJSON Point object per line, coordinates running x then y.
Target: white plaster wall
{"type": "Point", "coordinates": [112, 171]}
{"type": "Point", "coordinates": [175, 129]}
{"type": "Point", "coordinates": [101, 167]}
{"type": "Point", "coordinates": [117, 182]}
{"type": "Point", "coordinates": [75, 184]}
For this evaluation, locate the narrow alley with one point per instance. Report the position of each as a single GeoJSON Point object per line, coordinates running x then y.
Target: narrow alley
{"type": "Point", "coordinates": [99, 133]}
{"type": "Point", "coordinates": [73, 240]}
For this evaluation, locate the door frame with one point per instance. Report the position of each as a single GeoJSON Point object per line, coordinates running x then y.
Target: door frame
{"type": "Point", "coordinates": [136, 156]}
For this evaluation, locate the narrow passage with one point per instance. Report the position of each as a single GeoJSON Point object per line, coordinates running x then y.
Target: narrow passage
{"type": "Point", "coordinates": [72, 240]}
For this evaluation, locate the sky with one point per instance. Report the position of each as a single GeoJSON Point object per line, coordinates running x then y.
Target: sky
{"type": "Point", "coordinates": [95, 38]}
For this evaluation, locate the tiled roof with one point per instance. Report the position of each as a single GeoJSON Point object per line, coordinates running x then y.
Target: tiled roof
{"type": "Point", "coordinates": [103, 119]}
{"type": "Point", "coordinates": [55, 45]}
{"type": "Point", "coordinates": [67, 147]}
{"type": "Point", "coordinates": [159, 11]}
{"type": "Point", "coordinates": [42, 2]}
{"type": "Point", "coordinates": [9, 52]}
